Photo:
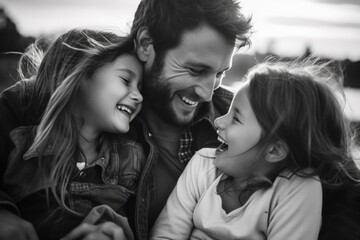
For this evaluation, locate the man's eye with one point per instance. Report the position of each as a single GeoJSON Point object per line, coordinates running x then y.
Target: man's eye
{"type": "Point", "coordinates": [196, 71]}
{"type": "Point", "coordinates": [220, 75]}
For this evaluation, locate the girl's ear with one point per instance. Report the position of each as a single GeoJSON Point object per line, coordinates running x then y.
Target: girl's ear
{"type": "Point", "coordinates": [144, 46]}
{"type": "Point", "coordinates": [277, 152]}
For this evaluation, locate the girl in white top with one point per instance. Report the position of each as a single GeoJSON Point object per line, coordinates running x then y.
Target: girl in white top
{"type": "Point", "coordinates": [284, 135]}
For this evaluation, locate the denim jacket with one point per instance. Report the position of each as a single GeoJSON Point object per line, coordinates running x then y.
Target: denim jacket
{"type": "Point", "coordinates": [110, 181]}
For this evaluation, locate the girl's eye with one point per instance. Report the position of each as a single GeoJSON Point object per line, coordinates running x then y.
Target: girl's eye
{"type": "Point", "coordinates": [237, 120]}
{"type": "Point", "coordinates": [125, 80]}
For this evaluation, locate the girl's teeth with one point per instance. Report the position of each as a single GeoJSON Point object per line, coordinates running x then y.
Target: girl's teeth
{"type": "Point", "coordinates": [123, 108]}
{"type": "Point", "coordinates": [221, 140]}
{"type": "Point", "coordinates": [222, 147]}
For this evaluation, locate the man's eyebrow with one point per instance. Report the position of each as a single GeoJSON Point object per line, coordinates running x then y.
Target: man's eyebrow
{"type": "Point", "coordinates": [203, 65]}
{"type": "Point", "coordinates": [199, 65]}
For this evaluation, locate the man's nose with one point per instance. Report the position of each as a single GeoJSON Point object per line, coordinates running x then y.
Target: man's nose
{"type": "Point", "coordinates": [205, 88]}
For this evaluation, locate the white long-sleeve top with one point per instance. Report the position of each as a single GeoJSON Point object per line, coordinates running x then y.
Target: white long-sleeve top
{"type": "Point", "coordinates": [289, 209]}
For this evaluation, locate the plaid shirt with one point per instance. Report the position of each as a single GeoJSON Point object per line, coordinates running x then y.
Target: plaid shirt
{"type": "Point", "coordinates": [187, 142]}
{"type": "Point", "coordinates": [187, 148]}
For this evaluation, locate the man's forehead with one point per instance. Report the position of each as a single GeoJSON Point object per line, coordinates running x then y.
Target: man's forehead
{"type": "Point", "coordinates": [202, 37]}
{"type": "Point", "coordinates": [206, 48]}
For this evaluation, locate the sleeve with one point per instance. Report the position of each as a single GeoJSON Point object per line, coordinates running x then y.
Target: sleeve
{"type": "Point", "coordinates": [296, 212]}
{"type": "Point", "coordinates": [176, 219]}
{"type": "Point", "coordinates": [11, 115]}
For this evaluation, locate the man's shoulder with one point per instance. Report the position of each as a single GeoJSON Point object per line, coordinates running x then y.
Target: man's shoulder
{"type": "Point", "coordinates": [17, 96]}
{"type": "Point", "coordinates": [19, 87]}
{"type": "Point", "coordinates": [222, 99]}
{"type": "Point", "coordinates": [224, 92]}
{"type": "Point", "coordinates": [341, 213]}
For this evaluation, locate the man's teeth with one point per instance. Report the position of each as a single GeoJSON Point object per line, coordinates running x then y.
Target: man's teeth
{"type": "Point", "coordinates": [188, 101]}
{"type": "Point", "coordinates": [124, 108]}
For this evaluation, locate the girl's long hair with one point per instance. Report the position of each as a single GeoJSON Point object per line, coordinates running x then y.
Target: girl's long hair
{"type": "Point", "coordinates": [73, 57]}
{"type": "Point", "coordinates": [301, 103]}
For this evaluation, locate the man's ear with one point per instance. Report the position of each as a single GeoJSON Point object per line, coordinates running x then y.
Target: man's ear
{"type": "Point", "coordinates": [277, 152]}
{"type": "Point", "coordinates": [144, 46]}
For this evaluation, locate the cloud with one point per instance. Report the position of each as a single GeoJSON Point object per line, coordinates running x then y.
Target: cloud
{"type": "Point", "coordinates": [354, 2]}
{"type": "Point", "coordinates": [311, 22]}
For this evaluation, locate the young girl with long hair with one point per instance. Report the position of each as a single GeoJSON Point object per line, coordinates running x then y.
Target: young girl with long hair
{"type": "Point", "coordinates": [284, 136]}
{"type": "Point", "coordinates": [76, 159]}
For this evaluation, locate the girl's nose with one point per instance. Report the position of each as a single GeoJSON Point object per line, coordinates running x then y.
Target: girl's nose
{"type": "Point", "coordinates": [136, 96]}
{"type": "Point", "coordinates": [219, 122]}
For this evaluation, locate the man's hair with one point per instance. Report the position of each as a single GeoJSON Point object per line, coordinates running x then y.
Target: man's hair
{"type": "Point", "coordinates": [167, 20]}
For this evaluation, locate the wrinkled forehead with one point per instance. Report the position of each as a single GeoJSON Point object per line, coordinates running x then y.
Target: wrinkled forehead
{"type": "Point", "coordinates": [205, 44]}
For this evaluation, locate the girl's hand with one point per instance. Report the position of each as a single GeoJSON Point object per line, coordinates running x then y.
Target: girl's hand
{"type": "Point", "coordinates": [103, 231]}
{"type": "Point", "coordinates": [15, 228]}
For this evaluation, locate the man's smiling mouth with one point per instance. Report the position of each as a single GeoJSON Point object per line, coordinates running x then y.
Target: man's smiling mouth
{"type": "Point", "coordinates": [189, 101]}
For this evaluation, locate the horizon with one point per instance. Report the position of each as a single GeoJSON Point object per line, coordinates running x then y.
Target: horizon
{"type": "Point", "coordinates": [331, 29]}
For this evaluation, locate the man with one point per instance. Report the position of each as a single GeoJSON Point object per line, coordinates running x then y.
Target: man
{"type": "Point", "coordinates": [187, 46]}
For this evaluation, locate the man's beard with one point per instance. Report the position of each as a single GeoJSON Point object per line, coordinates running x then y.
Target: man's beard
{"type": "Point", "coordinates": [157, 95]}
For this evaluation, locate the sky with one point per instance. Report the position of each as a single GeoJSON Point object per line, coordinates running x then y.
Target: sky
{"type": "Point", "coordinates": [331, 28]}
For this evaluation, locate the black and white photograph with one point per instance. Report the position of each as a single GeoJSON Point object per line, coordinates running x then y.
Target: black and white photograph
{"type": "Point", "coordinates": [179, 119]}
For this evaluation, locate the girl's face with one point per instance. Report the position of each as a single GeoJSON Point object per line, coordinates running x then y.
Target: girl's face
{"type": "Point", "coordinates": [240, 132]}
{"type": "Point", "coordinates": [111, 98]}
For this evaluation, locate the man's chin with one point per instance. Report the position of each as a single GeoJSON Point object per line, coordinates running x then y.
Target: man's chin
{"type": "Point", "coordinates": [183, 119]}
{"type": "Point", "coordinates": [176, 116]}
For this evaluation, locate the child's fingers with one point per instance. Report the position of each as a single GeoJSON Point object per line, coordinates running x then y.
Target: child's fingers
{"type": "Point", "coordinates": [113, 230]}
{"type": "Point", "coordinates": [81, 231]}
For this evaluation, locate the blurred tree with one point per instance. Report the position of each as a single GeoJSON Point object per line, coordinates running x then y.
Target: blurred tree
{"type": "Point", "coordinates": [10, 38]}
{"type": "Point", "coordinates": [351, 73]}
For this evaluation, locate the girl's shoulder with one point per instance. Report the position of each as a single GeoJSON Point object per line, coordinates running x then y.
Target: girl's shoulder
{"type": "Point", "coordinates": [204, 159]}
{"type": "Point", "coordinates": [130, 152]}
{"type": "Point", "coordinates": [289, 182]}
{"type": "Point", "coordinates": [121, 140]}
{"type": "Point", "coordinates": [202, 163]}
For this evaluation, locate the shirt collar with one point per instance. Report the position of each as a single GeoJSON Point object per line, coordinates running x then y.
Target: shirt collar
{"type": "Point", "coordinates": [103, 152]}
